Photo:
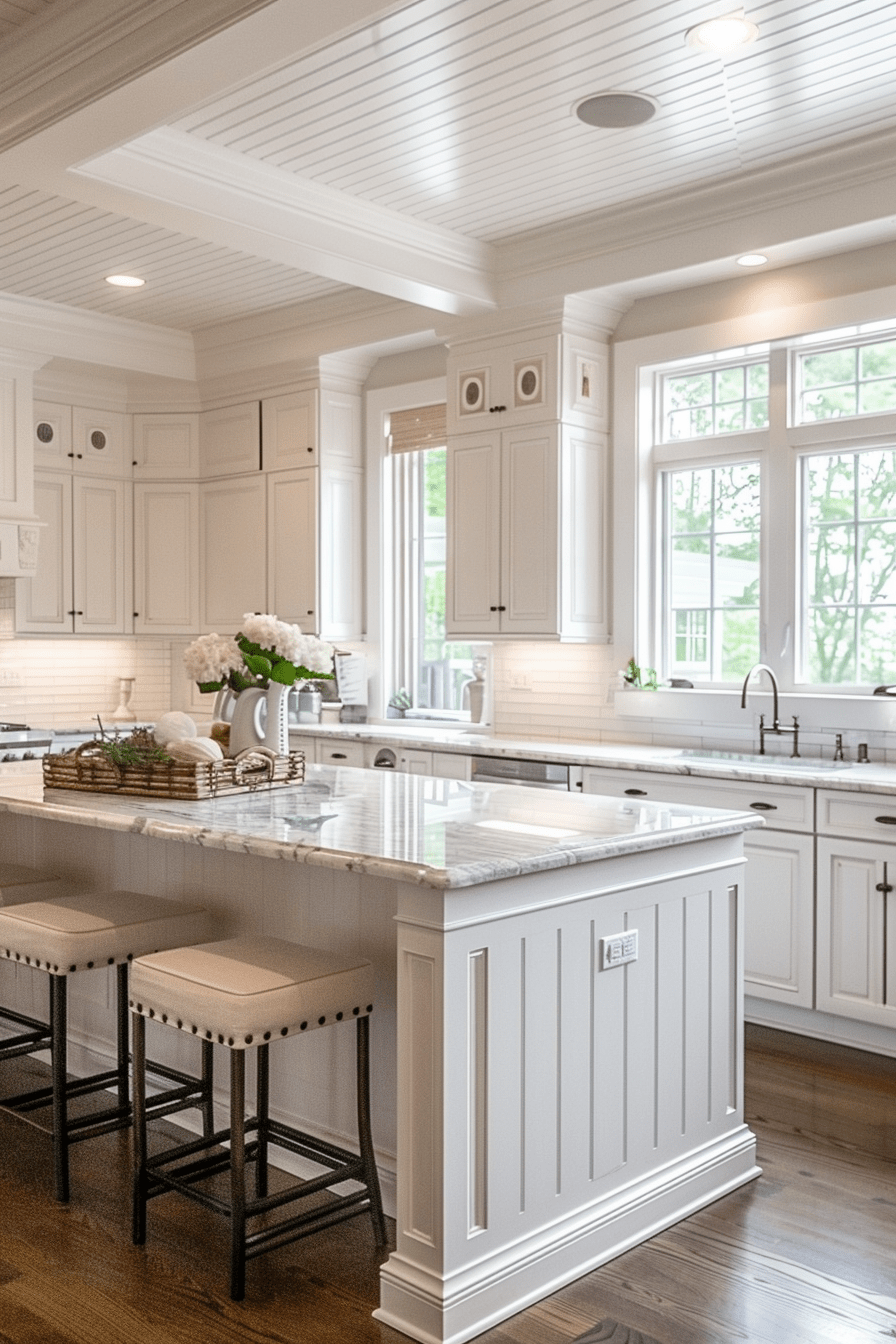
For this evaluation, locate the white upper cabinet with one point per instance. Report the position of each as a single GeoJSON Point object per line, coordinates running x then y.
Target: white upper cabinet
{"type": "Point", "coordinates": [340, 428]}
{"type": "Point", "coordinates": [558, 377]}
{"type": "Point", "coordinates": [166, 558]}
{"type": "Point", "coordinates": [233, 551]}
{"type": "Point", "coordinates": [526, 535]}
{"type": "Point", "coordinates": [82, 584]}
{"type": "Point", "coordinates": [289, 430]}
{"type": "Point", "coordinates": [230, 440]}
{"type": "Point", "coordinates": [166, 446]}
{"type": "Point", "coordinates": [292, 547]}
{"type": "Point", "coordinates": [53, 436]}
{"type": "Point", "coordinates": [101, 442]}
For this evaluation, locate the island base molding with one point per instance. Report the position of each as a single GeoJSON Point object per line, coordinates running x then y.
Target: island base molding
{"type": "Point", "coordinates": [437, 1310]}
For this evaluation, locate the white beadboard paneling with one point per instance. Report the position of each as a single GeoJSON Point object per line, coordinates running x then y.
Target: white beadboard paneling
{"type": "Point", "coordinates": [459, 113]}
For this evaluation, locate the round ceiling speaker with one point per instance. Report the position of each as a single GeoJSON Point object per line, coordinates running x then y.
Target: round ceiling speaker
{"type": "Point", "coordinates": [613, 110]}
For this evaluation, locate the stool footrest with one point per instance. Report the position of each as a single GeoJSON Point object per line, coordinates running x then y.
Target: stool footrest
{"type": "Point", "coordinates": [305, 1224]}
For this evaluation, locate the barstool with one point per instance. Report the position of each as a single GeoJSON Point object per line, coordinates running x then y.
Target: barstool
{"type": "Point", "coordinates": [77, 933]}
{"type": "Point", "coordinates": [243, 993]}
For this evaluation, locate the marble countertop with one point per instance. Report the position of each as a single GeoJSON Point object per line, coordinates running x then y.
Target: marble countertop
{"type": "Point", "coordinates": [433, 832]}
{"type": "Point", "coordinates": [810, 771]}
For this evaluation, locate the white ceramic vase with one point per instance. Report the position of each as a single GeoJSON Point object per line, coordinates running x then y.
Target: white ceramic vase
{"type": "Point", "coordinates": [260, 720]}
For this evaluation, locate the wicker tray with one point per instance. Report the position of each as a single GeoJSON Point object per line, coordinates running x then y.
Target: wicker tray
{"type": "Point", "coordinates": [90, 771]}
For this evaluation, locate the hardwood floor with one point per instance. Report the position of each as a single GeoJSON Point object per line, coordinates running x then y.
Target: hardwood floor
{"type": "Point", "coordinates": [804, 1255]}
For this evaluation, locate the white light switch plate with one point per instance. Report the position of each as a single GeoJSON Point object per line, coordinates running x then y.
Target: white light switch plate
{"type": "Point", "coordinates": [619, 949]}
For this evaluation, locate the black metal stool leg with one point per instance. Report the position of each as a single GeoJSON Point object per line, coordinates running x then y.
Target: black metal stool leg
{"type": "Point", "coordinates": [121, 1019]}
{"type": "Point", "coordinates": [237, 1175]}
{"type": "Point", "coordinates": [262, 1111]}
{"type": "Point", "coordinates": [365, 1138]}
{"type": "Point", "coordinates": [139, 1126]}
{"type": "Point", "coordinates": [208, 1090]}
{"type": "Point", "coordinates": [59, 1068]}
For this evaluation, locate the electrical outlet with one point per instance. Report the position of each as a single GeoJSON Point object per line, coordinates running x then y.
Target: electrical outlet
{"type": "Point", "coordinates": [10, 677]}
{"type": "Point", "coordinates": [619, 949]}
{"type": "Point", "coordinates": [520, 681]}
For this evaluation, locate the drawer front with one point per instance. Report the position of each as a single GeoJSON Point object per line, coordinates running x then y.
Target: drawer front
{"type": "Point", "coordinates": [784, 807]}
{"type": "Point", "coordinates": [340, 753]}
{"type": "Point", "coordinates": [859, 816]}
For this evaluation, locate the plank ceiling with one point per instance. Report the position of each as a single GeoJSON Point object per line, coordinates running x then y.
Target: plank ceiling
{"type": "Point", "coordinates": [458, 114]}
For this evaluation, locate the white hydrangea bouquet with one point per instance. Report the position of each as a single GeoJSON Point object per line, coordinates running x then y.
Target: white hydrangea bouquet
{"type": "Point", "coordinates": [264, 651]}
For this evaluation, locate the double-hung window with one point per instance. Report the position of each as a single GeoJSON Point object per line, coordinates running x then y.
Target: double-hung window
{"type": "Point", "coordinates": [774, 512]}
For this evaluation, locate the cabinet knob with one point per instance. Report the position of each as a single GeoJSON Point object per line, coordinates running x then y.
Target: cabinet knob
{"type": "Point", "coordinates": [886, 821]}
{"type": "Point", "coordinates": [884, 887]}
{"type": "Point", "coordinates": [764, 807]}
{"type": "Point", "coordinates": [135, 464]}
{"type": "Point", "coordinates": [636, 793]}
{"type": "Point", "coordinates": [136, 613]}
{"type": "Point", "coordinates": [69, 454]}
{"type": "Point", "coordinates": [493, 608]}
{"type": "Point", "coordinates": [502, 608]}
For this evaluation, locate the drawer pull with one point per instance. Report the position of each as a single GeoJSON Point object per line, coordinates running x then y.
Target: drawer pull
{"type": "Point", "coordinates": [636, 793]}
{"type": "Point", "coordinates": [886, 821]}
{"type": "Point", "coordinates": [764, 807]}
{"type": "Point", "coordinates": [337, 755]}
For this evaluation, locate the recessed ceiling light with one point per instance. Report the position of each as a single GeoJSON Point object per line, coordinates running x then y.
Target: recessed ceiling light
{"type": "Point", "coordinates": [612, 110]}
{"type": "Point", "coordinates": [723, 34]}
{"type": "Point", "coordinates": [125, 281]}
{"type": "Point", "coordinates": [752, 259]}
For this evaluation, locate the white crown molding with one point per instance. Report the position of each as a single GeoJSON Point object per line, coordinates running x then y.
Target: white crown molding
{"type": "Point", "coordinates": [845, 187]}
{"type": "Point", "coordinates": [258, 208]}
{"type": "Point", "coordinates": [54, 330]}
{"type": "Point", "coordinates": [353, 321]}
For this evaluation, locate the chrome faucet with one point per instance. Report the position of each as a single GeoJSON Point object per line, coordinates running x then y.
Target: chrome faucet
{"type": "Point", "coordinates": [776, 726]}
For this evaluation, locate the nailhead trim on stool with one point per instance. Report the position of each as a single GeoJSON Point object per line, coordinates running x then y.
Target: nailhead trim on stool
{"type": "Point", "coordinates": [76, 933]}
{"type": "Point", "coordinates": [244, 993]}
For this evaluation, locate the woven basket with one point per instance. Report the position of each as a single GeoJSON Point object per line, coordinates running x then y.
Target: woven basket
{"type": "Point", "coordinates": [89, 770]}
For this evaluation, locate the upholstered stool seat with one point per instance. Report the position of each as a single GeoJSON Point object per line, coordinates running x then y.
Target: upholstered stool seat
{"type": "Point", "coordinates": [244, 993]}
{"type": "Point", "coordinates": [62, 937]}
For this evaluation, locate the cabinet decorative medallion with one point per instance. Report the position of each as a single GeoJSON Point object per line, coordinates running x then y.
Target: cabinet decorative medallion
{"type": "Point", "coordinates": [472, 393]}
{"type": "Point", "coordinates": [528, 382]}
{"type": "Point", "coordinates": [45, 432]}
{"type": "Point", "coordinates": [587, 386]}
{"type": "Point", "coordinates": [98, 439]}
{"type": "Point", "coordinates": [29, 537]}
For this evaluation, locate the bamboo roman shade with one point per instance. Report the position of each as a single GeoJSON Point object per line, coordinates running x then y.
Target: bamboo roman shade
{"type": "Point", "coordinates": [419, 427]}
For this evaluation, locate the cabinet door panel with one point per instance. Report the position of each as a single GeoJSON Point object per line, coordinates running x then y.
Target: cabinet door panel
{"type": "Point", "coordinates": [529, 533]}
{"type": "Point", "coordinates": [101, 545]}
{"type": "Point", "coordinates": [43, 603]}
{"type": "Point", "coordinates": [230, 440]}
{"type": "Point", "coordinates": [53, 436]}
{"type": "Point", "coordinates": [289, 430]}
{"type": "Point", "coordinates": [232, 552]}
{"type": "Point", "coordinates": [166, 559]}
{"type": "Point", "coordinates": [854, 975]}
{"type": "Point", "coordinates": [101, 441]}
{"type": "Point", "coordinates": [166, 446]}
{"type": "Point", "coordinates": [473, 550]}
{"type": "Point", "coordinates": [778, 917]}
{"type": "Point", "coordinates": [292, 546]}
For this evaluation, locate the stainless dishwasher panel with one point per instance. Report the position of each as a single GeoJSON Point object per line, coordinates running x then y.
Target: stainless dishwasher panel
{"type": "Point", "coordinates": [532, 774]}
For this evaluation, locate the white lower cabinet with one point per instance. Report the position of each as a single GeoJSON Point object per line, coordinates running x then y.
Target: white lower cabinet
{"type": "Point", "coordinates": [778, 909]}
{"type": "Point", "coordinates": [83, 579]}
{"type": "Point", "coordinates": [166, 558]}
{"type": "Point", "coordinates": [856, 965]}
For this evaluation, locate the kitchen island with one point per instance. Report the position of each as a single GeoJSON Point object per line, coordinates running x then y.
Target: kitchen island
{"type": "Point", "coordinates": [557, 1037]}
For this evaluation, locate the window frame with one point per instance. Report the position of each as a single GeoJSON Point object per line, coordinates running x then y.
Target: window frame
{"type": "Point", "coordinates": [780, 450]}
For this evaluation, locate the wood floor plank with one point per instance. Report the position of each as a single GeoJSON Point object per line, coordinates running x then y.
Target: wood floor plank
{"type": "Point", "coordinates": [803, 1255]}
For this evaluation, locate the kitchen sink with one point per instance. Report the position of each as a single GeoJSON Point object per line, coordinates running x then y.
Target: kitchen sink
{"type": "Point", "coordinates": [753, 759]}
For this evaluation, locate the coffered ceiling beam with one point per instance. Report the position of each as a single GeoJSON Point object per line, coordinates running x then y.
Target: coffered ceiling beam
{"type": "Point", "coordinates": [183, 182]}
